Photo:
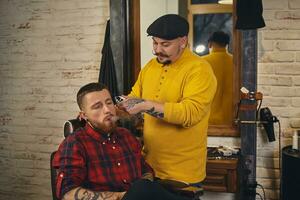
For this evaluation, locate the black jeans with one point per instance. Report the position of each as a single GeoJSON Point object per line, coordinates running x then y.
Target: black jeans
{"type": "Point", "coordinates": [147, 190]}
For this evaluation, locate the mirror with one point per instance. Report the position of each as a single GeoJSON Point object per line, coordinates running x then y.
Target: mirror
{"type": "Point", "coordinates": [205, 17]}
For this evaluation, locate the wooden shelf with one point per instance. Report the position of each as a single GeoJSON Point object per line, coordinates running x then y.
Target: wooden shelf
{"type": "Point", "coordinates": [221, 175]}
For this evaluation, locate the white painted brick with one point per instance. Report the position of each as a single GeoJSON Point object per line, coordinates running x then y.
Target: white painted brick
{"type": "Point", "coordinates": [283, 91]}
{"type": "Point", "coordinates": [266, 90]}
{"type": "Point", "coordinates": [286, 112]}
{"type": "Point", "coordinates": [288, 45]}
{"type": "Point", "coordinates": [266, 45]}
{"type": "Point", "coordinates": [298, 56]}
{"type": "Point", "coordinates": [269, 14]}
{"type": "Point", "coordinates": [295, 123]}
{"type": "Point", "coordinates": [275, 80]}
{"type": "Point", "coordinates": [287, 68]}
{"type": "Point", "coordinates": [277, 101]}
{"type": "Point", "coordinates": [268, 153]}
{"type": "Point", "coordinates": [269, 183]}
{"type": "Point", "coordinates": [296, 81]}
{"type": "Point", "coordinates": [267, 173]}
{"type": "Point", "coordinates": [265, 68]}
{"type": "Point", "coordinates": [267, 162]}
{"type": "Point", "coordinates": [296, 102]}
{"type": "Point", "coordinates": [294, 15]}
{"type": "Point", "coordinates": [273, 57]}
{"type": "Point", "coordinates": [282, 25]}
{"type": "Point", "coordinates": [294, 4]}
{"type": "Point", "coordinates": [274, 4]}
{"type": "Point", "coordinates": [271, 194]}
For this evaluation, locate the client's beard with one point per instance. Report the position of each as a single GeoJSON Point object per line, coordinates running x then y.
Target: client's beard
{"type": "Point", "coordinates": [103, 128]}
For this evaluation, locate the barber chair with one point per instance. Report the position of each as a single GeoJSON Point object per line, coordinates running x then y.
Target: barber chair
{"type": "Point", "coordinates": [70, 127]}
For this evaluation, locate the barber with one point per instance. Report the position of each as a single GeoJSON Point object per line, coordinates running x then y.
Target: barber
{"type": "Point", "coordinates": [175, 90]}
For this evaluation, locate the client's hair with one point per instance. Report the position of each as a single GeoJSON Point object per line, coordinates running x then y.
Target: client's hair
{"type": "Point", "coordinates": [88, 88]}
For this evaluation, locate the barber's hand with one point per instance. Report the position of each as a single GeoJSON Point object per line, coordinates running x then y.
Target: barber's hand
{"type": "Point", "coordinates": [121, 112]}
{"type": "Point", "coordinates": [133, 105]}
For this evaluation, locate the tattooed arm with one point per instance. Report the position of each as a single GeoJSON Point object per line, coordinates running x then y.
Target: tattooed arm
{"type": "Point", "coordinates": [136, 105]}
{"type": "Point", "coordinates": [80, 193]}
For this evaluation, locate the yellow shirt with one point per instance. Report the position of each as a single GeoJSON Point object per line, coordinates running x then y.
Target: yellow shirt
{"type": "Point", "coordinates": [176, 146]}
{"type": "Point", "coordinates": [222, 64]}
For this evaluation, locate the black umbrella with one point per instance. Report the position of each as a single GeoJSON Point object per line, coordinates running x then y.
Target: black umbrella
{"type": "Point", "coordinates": [107, 74]}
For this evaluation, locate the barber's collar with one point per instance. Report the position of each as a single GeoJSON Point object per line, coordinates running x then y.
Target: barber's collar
{"type": "Point", "coordinates": [213, 50]}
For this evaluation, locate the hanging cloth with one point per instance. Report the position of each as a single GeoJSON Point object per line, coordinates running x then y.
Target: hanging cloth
{"type": "Point", "coordinates": [249, 14]}
{"type": "Point", "coordinates": [107, 74]}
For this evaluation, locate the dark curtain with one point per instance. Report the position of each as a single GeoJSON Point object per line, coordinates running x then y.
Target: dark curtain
{"type": "Point", "coordinates": [249, 14]}
{"type": "Point", "coordinates": [107, 74]}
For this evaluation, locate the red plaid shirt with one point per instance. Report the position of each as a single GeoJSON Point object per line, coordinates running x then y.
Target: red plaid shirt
{"type": "Point", "coordinates": [99, 162]}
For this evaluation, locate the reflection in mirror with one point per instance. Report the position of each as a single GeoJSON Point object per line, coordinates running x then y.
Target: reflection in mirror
{"type": "Point", "coordinates": [205, 25]}
{"type": "Point", "coordinates": [219, 54]}
{"type": "Point", "coordinates": [221, 62]}
{"type": "Point", "coordinates": [205, 19]}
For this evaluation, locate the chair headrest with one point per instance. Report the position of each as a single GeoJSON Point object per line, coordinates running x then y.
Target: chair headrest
{"type": "Point", "coordinates": [72, 125]}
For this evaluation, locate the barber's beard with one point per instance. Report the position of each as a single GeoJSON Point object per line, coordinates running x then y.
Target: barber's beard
{"type": "Point", "coordinates": [166, 62]}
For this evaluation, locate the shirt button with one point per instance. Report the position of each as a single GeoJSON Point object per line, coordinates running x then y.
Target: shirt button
{"type": "Point", "coordinates": [113, 147]}
{"type": "Point", "coordinates": [166, 70]}
{"type": "Point", "coordinates": [162, 77]}
{"type": "Point", "coordinates": [118, 164]}
{"type": "Point", "coordinates": [103, 142]}
{"type": "Point", "coordinates": [114, 142]}
{"type": "Point", "coordinates": [160, 83]}
{"type": "Point", "coordinates": [156, 96]}
{"type": "Point", "coordinates": [124, 180]}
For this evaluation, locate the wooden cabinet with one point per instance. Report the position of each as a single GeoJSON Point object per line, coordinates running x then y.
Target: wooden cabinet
{"type": "Point", "coordinates": [221, 175]}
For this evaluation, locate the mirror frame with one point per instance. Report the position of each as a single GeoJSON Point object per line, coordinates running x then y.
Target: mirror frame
{"type": "Point", "coordinates": [213, 130]}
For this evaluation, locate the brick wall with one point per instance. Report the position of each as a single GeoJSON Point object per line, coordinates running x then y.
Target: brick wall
{"type": "Point", "coordinates": [279, 80]}
{"type": "Point", "coordinates": [48, 49]}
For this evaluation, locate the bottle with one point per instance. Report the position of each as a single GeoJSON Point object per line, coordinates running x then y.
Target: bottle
{"type": "Point", "coordinates": [295, 140]}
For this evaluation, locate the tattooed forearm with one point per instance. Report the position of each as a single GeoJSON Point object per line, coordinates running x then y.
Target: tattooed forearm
{"type": "Point", "coordinates": [84, 194]}
{"type": "Point", "coordinates": [106, 195]}
{"type": "Point", "coordinates": [132, 102]}
{"type": "Point", "coordinates": [155, 113]}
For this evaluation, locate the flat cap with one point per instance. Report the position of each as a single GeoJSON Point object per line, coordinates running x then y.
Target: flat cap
{"type": "Point", "coordinates": [169, 27]}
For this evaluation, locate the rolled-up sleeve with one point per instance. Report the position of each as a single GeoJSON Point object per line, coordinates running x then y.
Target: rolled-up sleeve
{"type": "Point", "coordinates": [70, 162]}
{"type": "Point", "coordinates": [198, 93]}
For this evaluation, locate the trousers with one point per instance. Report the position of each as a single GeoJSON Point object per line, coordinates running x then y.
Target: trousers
{"type": "Point", "coordinates": [150, 190]}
